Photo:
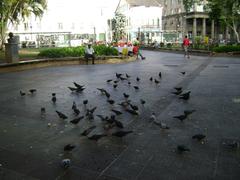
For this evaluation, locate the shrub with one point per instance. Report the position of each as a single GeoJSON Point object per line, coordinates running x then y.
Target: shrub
{"type": "Point", "coordinates": [169, 45]}
{"type": "Point", "coordinates": [228, 48]}
{"type": "Point", "coordinates": [76, 51]}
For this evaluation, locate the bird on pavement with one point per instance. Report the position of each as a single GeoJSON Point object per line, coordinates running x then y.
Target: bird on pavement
{"type": "Point", "coordinates": [160, 75]}
{"type": "Point", "coordinates": [96, 137]}
{"type": "Point", "coordinates": [115, 86]}
{"type": "Point", "coordinates": [74, 106]}
{"type": "Point", "coordinates": [121, 133]}
{"type": "Point", "coordinates": [188, 112]}
{"type": "Point", "coordinates": [138, 79]}
{"type": "Point", "coordinates": [185, 96]}
{"type": "Point", "coordinates": [69, 147]}
{"type": "Point", "coordinates": [142, 101]}
{"type": "Point", "coordinates": [119, 124]}
{"type": "Point", "coordinates": [126, 95]}
{"type": "Point", "coordinates": [183, 72]}
{"type": "Point", "coordinates": [131, 111]}
{"type": "Point", "coordinates": [85, 102]}
{"type": "Point", "coordinates": [199, 137]}
{"type": "Point", "coordinates": [178, 88]}
{"type": "Point", "coordinates": [109, 80]}
{"type": "Point", "coordinates": [136, 87]}
{"type": "Point", "coordinates": [32, 91]}
{"type": "Point", "coordinates": [151, 79]}
{"type": "Point", "coordinates": [182, 148]}
{"type": "Point", "coordinates": [116, 112]}
{"type": "Point", "coordinates": [61, 115]}
{"type": "Point", "coordinates": [88, 130]}
{"type": "Point", "coordinates": [118, 75]}
{"type": "Point", "coordinates": [22, 93]}
{"type": "Point", "coordinates": [76, 111]}
{"type": "Point", "coordinates": [78, 85]}
{"type": "Point", "coordinates": [76, 120]}
{"type": "Point", "coordinates": [54, 99]}
{"type": "Point", "coordinates": [127, 76]}
{"type": "Point", "coordinates": [110, 101]}
{"type": "Point", "coordinates": [156, 81]}
{"type": "Point", "coordinates": [181, 117]}
{"type": "Point", "coordinates": [134, 107]}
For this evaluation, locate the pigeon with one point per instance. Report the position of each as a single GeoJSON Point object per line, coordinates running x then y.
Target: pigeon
{"type": "Point", "coordinates": [185, 96]}
{"type": "Point", "coordinates": [118, 124]}
{"type": "Point", "coordinates": [102, 117]}
{"type": "Point", "coordinates": [116, 112]}
{"type": "Point", "coordinates": [134, 107]}
{"type": "Point", "coordinates": [78, 85]}
{"type": "Point", "coordinates": [110, 101]}
{"type": "Point", "coordinates": [54, 99]}
{"type": "Point", "coordinates": [109, 80]}
{"type": "Point", "coordinates": [180, 117]}
{"type": "Point", "coordinates": [115, 86]}
{"type": "Point", "coordinates": [199, 137]}
{"type": "Point", "coordinates": [188, 112]}
{"type": "Point", "coordinates": [156, 81]}
{"type": "Point", "coordinates": [107, 94]}
{"type": "Point", "coordinates": [142, 101]}
{"type": "Point", "coordinates": [101, 90]}
{"type": "Point", "coordinates": [22, 93]}
{"type": "Point", "coordinates": [177, 92]}
{"type": "Point", "coordinates": [178, 88]}
{"type": "Point", "coordinates": [136, 87]}
{"type": "Point", "coordinates": [122, 78]}
{"type": "Point", "coordinates": [43, 110]}
{"type": "Point", "coordinates": [121, 133]}
{"type": "Point", "coordinates": [88, 130]}
{"type": "Point", "coordinates": [151, 79]}
{"type": "Point", "coordinates": [32, 91]}
{"type": "Point", "coordinates": [131, 111]}
{"type": "Point", "coordinates": [116, 81]}
{"type": "Point", "coordinates": [118, 75]}
{"type": "Point", "coordinates": [127, 76]}
{"type": "Point", "coordinates": [129, 83]}
{"type": "Point", "coordinates": [69, 147]}
{"type": "Point", "coordinates": [138, 79]}
{"type": "Point", "coordinates": [76, 120]}
{"type": "Point", "coordinates": [153, 117]}
{"type": "Point", "coordinates": [183, 73]}
{"type": "Point", "coordinates": [126, 95]}
{"type": "Point", "coordinates": [61, 115]}
{"type": "Point", "coordinates": [74, 106]}
{"type": "Point", "coordinates": [96, 137]}
{"type": "Point", "coordinates": [182, 148]}
{"type": "Point", "coordinates": [160, 75]}
{"type": "Point", "coordinates": [85, 102]}
{"type": "Point", "coordinates": [79, 90]}
{"type": "Point", "coordinates": [53, 94]}
{"type": "Point", "coordinates": [72, 88]}
{"type": "Point", "coordinates": [76, 111]}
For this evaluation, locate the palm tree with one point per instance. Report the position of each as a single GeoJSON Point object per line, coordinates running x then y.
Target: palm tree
{"type": "Point", "coordinates": [14, 11]}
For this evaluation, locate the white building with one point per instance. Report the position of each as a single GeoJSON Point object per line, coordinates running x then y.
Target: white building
{"type": "Point", "coordinates": [144, 19]}
{"type": "Point", "coordinates": [67, 23]}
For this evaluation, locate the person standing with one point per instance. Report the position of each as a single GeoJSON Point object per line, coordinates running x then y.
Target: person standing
{"type": "Point", "coordinates": [136, 48]}
{"type": "Point", "coordinates": [186, 44]}
{"type": "Point", "coordinates": [89, 53]}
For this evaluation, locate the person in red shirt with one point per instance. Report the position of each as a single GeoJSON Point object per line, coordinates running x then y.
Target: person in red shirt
{"type": "Point", "coordinates": [186, 44]}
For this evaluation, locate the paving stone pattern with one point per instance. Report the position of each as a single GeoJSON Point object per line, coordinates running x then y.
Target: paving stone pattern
{"type": "Point", "coordinates": [31, 148]}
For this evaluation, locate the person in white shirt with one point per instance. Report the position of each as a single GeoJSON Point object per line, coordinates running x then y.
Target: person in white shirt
{"type": "Point", "coordinates": [89, 53]}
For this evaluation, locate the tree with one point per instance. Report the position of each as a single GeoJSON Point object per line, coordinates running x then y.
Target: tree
{"type": "Point", "coordinates": [118, 26]}
{"type": "Point", "coordinates": [227, 12]}
{"type": "Point", "coordinates": [14, 11]}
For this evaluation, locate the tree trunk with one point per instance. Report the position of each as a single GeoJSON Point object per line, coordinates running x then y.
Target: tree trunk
{"type": "Point", "coordinates": [3, 29]}
{"type": "Point", "coordinates": [236, 32]}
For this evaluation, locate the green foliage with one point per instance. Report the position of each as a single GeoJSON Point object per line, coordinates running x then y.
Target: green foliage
{"type": "Point", "coordinates": [76, 51]}
{"type": "Point", "coordinates": [118, 26]}
{"type": "Point", "coordinates": [105, 50]}
{"type": "Point", "coordinates": [227, 48]}
{"type": "Point", "coordinates": [14, 11]}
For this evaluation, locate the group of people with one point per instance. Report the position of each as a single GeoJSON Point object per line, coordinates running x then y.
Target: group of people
{"type": "Point", "coordinates": [90, 53]}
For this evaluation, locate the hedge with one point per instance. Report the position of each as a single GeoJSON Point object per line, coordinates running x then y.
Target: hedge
{"type": "Point", "coordinates": [228, 48]}
{"type": "Point", "coordinates": [76, 51]}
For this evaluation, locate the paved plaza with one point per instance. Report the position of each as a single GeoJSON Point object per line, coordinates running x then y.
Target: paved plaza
{"type": "Point", "coordinates": [32, 143]}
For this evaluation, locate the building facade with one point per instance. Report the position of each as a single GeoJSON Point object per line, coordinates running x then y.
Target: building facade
{"type": "Point", "coordinates": [195, 24]}
{"type": "Point", "coordinates": [143, 20]}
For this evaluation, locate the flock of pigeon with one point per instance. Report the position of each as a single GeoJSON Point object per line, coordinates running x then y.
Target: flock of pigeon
{"type": "Point", "coordinates": [111, 124]}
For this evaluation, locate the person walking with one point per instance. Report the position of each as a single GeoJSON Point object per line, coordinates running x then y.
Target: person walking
{"type": "Point", "coordinates": [137, 50]}
{"type": "Point", "coordinates": [186, 44]}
